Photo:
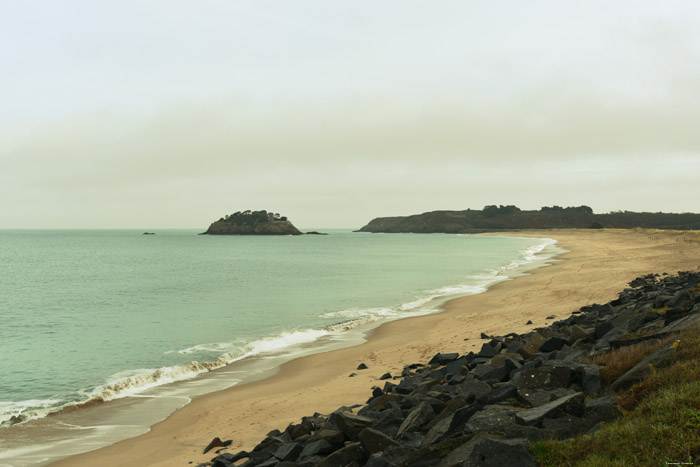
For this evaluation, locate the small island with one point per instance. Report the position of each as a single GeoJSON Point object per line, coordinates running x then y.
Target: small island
{"type": "Point", "coordinates": [252, 223]}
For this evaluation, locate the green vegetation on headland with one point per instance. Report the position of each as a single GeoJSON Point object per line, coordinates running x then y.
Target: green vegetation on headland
{"type": "Point", "coordinates": [253, 223]}
{"type": "Point", "coordinates": [495, 218]}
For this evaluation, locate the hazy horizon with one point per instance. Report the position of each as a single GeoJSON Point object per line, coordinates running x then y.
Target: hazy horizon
{"type": "Point", "coordinates": [170, 114]}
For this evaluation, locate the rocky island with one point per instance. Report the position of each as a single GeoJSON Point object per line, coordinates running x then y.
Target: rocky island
{"type": "Point", "coordinates": [252, 223]}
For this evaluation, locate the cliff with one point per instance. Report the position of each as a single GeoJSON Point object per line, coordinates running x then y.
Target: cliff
{"type": "Point", "coordinates": [252, 223]}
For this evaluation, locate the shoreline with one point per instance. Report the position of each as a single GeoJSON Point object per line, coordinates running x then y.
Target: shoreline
{"type": "Point", "coordinates": [320, 382]}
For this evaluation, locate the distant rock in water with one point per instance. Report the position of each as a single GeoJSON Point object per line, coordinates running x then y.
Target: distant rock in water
{"type": "Point", "coordinates": [252, 223]}
{"type": "Point", "coordinates": [313, 232]}
{"type": "Point", "coordinates": [148, 233]}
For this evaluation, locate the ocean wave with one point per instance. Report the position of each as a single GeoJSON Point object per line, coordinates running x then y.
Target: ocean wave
{"type": "Point", "coordinates": [15, 412]}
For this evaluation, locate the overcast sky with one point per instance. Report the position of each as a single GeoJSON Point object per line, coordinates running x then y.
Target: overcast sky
{"type": "Point", "coordinates": [172, 113]}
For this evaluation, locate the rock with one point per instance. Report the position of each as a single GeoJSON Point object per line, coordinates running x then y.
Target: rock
{"type": "Point", "coordinates": [485, 336]}
{"type": "Point", "coordinates": [289, 452]}
{"type": "Point", "coordinates": [546, 377]}
{"type": "Point", "coordinates": [532, 346]}
{"type": "Point", "coordinates": [361, 366]}
{"type": "Point", "coordinates": [572, 404]}
{"type": "Point", "coordinates": [529, 322]}
{"type": "Point", "coordinates": [443, 359]}
{"type": "Point", "coordinates": [551, 317]}
{"type": "Point", "coordinates": [334, 437]}
{"type": "Point", "coordinates": [316, 447]}
{"type": "Point", "coordinates": [385, 376]}
{"type": "Point", "coordinates": [418, 417]}
{"type": "Point", "coordinates": [375, 441]}
{"type": "Point", "coordinates": [492, 417]}
{"type": "Point", "coordinates": [342, 457]}
{"type": "Point", "coordinates": [349, 423]}
{"type": "Point", "coordinates": [472, 390]}
{"type": "Point", "coordinates": [216, 443]}
{"type": "Point", "coordinates": [602, 409]}
{"type": "Point", "coordinates": [488, 372]}
{"type": "Point", "coordinates": [352, 375]}
{"type": "Point", "coordinates": [487, 351]}
{"type": "Point", "coordinates": [553, 343]}
{"type": "Point", "coordinates": [642, 369]}
{"type": "Point", "coordinates": [489, 451]}
{"type": "Point", "coordinates": [499, 393]}
{"type": "Point", "coordinates": [563, 427]}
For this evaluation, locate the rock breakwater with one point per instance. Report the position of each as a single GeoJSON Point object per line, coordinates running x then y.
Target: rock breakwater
{"type": "Point", "coordinates": [486, 408]}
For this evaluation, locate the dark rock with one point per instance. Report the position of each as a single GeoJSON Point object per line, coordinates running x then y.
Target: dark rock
{"type": "Point", "coordinates": [471, 390]}
{"type": "Point", "coordinates": [532, 346]}
{"type": "Point", "coordinates": [289, 452]}
{"type": "Point", "coordinates": [216, 443]}
{"type": "Point", "coordinates": [361, 366]}
{"type": "Point", "coordinates": [314, 448]}
{"type": "Point", "coordinates": [492, 417]}
{"type": "Point", "coordinates": [352, 375]}
{"type": "Point", "coordinates": [487, 372]}
{"type": "Point", "coordinates": [546, 377]}
{"type": "Point", "coordinates": [499, 393]}
{"type": "Point", "coordinates": [563, 427]}
{"type": "Point", "coordinates": [552, 344]}
{"type": "Point", "coordinates": [418, 417]}
{"type": "Point", "coordinates": [642, 369]}
{"type": "Point", "coordinates": [334, 437]}
{"type": "Point", "coordinates": [311, 461]}
{"type": "Point", "coordinates": [572, 404]}
{"type": "Point", "coordinates": [485, 336]}
{"type": "Point", "coordinates": [602, 409]}
{"type": "Point", "coordinates": [551, 317]}
{"type": "Point", "coordinates": [489, 451]}
{"type": "Point", "coordinates": [224, 460]}
{"type": "Point", "coordinates": [529, 321]}
{"type": "Point", "coordinates": [349, 423]}
{"type": "Point", "coordinates": [342, 457]}
{"type": "Point", "coordinates": [385, 376]}
{"type": "Point", "coordinates": [603, 328]}
{"type": "Point", "coordinates": [487, 351]}
{"type": "Point", "coordinates": [443, 358]}
{"type": "Point", "coordinates": [375, 441]}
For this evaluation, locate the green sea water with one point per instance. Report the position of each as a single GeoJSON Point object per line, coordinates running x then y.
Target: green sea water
{"type": "Point", "coordinates": [110, 313]}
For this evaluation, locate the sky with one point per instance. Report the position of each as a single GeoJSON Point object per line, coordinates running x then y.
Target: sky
{"type": "Point", "coordinates": [171, 113]}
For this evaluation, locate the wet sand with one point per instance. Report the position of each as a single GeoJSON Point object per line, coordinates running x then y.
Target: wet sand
{"type": "Point", "coordinates": [599, 264]}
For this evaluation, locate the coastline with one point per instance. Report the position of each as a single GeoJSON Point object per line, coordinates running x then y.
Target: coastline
{"type": "Point", "coordinates": [597, 266]}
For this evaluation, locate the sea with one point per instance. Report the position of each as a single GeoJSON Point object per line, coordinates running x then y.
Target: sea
{"type": "Point", "coordinates": [145, 323]}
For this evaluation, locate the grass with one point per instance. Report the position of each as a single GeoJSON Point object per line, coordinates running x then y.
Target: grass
{"type": "Point", "coordinates": [661, 425]}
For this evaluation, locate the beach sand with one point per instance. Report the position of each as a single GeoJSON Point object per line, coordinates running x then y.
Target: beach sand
{"type": "Point", "coordinates": [599, 264]}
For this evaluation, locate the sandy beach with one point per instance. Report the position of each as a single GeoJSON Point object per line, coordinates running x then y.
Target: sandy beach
{"type": "Point", "coordinates": [597, 266]}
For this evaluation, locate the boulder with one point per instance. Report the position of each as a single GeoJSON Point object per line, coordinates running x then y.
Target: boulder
{"type": "Point", "coordinates": [489, 451]}
{"type": "Point", "coordinates": [351, 453]}
{"type": "Point", "coordinates": [314, 448]}
{"type": "Point", "coordinates": [572, 404]}
{"type": "Point", "coordinates": [546, 377]}
{"type": "Point", "coordinates": [641, 370]}
{"type": "Point", "coordinates": [492, 417]}
{"type": "Point", "coordinates": [375, 441]}
{"type": "Point", "coordinates": [349, 423]}
{"type": "Point", "coordinates": [289, 452]}
{"type": "Point", "coordinates": [418, 417]}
